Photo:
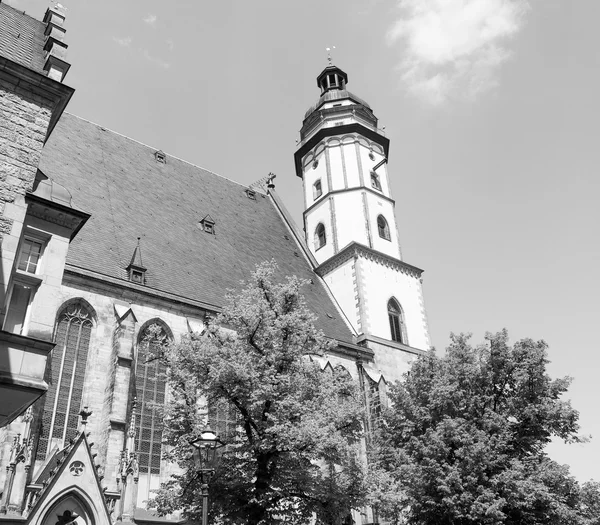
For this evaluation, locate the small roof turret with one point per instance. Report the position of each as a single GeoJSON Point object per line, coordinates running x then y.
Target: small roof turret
{"type": "Point", "coordinates": [332, 77]}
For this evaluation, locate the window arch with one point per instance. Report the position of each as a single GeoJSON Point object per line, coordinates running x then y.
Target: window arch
{"type": "Point", "coordinates": [317, 189]}
{"type": "Point", "coordinates": [396, 318]}
{"type": "Point", "coordinates": [383, 228]}
{"type": "Point", "coordinates": [65, 375]}
{"type": "Point", "coordinates": [150, 384]}
{"type": "Point", "coordinates": [320, 236]}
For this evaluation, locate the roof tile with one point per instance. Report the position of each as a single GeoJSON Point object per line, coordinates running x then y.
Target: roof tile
{"type": "Point", "coordinates": [21, 38]}
{"type": "Point", "coordinates": [129, 195]}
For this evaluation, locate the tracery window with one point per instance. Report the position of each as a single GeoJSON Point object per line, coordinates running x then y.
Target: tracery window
{"type": "Point", "coordinates": [383, 228]}
{"type": "Point", "coordinates": [396, 318]}
{"type": "Point", "coordinates": [150, 380]}
{"type": "Point", "coordinates": [320, 236]}
{"type": "Point", "coordinates": [65, 377]}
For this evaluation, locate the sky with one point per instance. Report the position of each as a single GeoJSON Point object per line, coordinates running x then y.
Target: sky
{"type": "Point", "coordinates": [491, 107]}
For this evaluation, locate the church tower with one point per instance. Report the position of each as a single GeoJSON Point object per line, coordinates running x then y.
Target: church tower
{"type": "Point", "coordinates": [351, 227]}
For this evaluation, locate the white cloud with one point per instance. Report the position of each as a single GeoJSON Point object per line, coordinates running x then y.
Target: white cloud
{"type": "Point", "coordinates": [123, 42]}
{"type": "Point", "coordinates": [150, 19]}
{"type": "Point", "coordinates": [155, 60]}
{"type": "Point", "coordinates": [170, 44]}
{"type": "Point", "coordinates": [454, 47]}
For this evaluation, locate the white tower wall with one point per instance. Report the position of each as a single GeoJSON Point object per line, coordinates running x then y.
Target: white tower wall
{"type": "Point", "coordinates": [361, 261]}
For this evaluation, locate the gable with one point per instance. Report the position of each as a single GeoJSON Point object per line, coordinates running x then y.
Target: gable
{"type": "Point", "coordinates": [75, 489]}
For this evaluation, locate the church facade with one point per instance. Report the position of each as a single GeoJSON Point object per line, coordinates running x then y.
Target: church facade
{"type": "Point", "coordinates": [110, 246]}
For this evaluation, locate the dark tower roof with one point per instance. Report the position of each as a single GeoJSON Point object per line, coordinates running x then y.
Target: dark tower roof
{"type": "Point", "coordinates": [332, 81]}
{"type": "Point", "coordinates": [356, 116]}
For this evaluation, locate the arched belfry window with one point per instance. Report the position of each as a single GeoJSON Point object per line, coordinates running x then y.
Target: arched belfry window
{"type": "Point", "coordinates": [383, 228]}
{"type": "Point", "coordinates": [317, 190]}
{"type": "Point", "coordinates": [320, 236]}
{"type": "Point", "coordinates": [150, 382]}
{"type": "Point", "coordinates": [65, 376]}
{"type": "Point", "coordinates": [396, 318]}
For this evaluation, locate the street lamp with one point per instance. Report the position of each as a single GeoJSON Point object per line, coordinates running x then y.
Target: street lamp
{"type": "Point", "coordinates": [205, 454]}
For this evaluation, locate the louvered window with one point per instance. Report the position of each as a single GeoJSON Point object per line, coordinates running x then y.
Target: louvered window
{"type": "Point", "coordinates": [66, 374]}
{"type": "Point", "coordinates": [320, 236]}
{"type": "Point", "coordinates": [382, 228]}
{"type": "Point", "coordinates": [150, 390]}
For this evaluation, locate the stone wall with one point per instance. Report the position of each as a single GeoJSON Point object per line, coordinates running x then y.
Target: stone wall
{"type": "Point", "coordinates": [24, 119]}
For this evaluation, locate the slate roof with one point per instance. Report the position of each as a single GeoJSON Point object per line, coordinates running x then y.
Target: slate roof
{"type": "Point", "coordinates": [129, 195]}
{"type": "Point", "coordinates": [21, 38]}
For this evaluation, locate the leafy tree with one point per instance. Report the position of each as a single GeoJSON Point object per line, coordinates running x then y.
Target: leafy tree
{"type": "Point", "coordinates": [590, 502]}
{"type": "Point", "coordinates": [293, 445]}
{"type": "Point", "coordinates": [466, 435]}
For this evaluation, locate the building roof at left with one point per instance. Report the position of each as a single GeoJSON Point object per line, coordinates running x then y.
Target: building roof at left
{"type": "Point", "coordinates": [22, 38]}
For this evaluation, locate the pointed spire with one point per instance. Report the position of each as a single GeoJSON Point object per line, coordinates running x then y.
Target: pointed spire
{"type": "Point", "coordinates": [136, 259]}
{"type": "Point", "coordinates": [132, 425]}
{"type": "Point", "coordinates": [136, 270]}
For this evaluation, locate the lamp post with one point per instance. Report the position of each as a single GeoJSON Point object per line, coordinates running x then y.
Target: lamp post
{"type": "Point", "coordinates": [205, 453]}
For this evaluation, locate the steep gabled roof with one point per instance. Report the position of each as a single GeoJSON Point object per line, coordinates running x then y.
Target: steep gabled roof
{"type": "Point", "coordinates": [73, 474]}
{"type": "Point", "coordinates": [129, 195]}
{"type": "Point", "coordinates": [21, 38]}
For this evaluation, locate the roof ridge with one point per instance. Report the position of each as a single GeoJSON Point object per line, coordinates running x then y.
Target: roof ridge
{"type": "Point", "coordinates": [157, 149]}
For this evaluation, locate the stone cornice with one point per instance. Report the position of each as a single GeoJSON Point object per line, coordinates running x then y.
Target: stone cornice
{"type": "Point", "coordinates": [322, 198]}
{"type": "Point", "coordinates": [354, 351]}
{"type": "Point", "coordinates": [56, 213]}
{"type": "Point", "coordinates": [366, 338]}
{"type": "Point", "coordinates": [355, 249]}
{"type": "Point", "coordinates": [132, 292]}
{"type": "Point", "coordinates": [354, 127]}
{"type": "Point", "coordinates": [58, 93]}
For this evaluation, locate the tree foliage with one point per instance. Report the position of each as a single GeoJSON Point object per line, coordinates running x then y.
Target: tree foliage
{"type": "Point", "coordinates": [466, 435]}
{"type": "Point", "coordinates": [292, 450]}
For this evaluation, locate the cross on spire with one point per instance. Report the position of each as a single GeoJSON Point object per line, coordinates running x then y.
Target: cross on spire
{"type": "Point", "coordinates": [329, 49]}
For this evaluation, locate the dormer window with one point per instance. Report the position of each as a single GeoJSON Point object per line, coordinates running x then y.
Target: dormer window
{"type": "Point", "coordinates": [208, 225]}
{"type": "Point", "coordinates": [160, 157]}
{"type": "Point", "coordinates": [375, 182]}
{"type": "Point", "coordinates": [317, 190]}
{"type": "Point", "coordinates": [136, 276]}
{"type": "Point", "coordinates": [136, 271]}
{"type": "Point", "coordinates": [251, 194]}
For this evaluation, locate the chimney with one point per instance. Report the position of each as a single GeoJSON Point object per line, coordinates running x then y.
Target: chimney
{"type": "Point", "coordinates": [54, 45]}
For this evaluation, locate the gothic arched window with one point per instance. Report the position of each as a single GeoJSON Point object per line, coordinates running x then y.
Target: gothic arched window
{"type": "Point", "coordinates": [396, 318]}
{"type": "Point", "coordinates": [65, 377]}
{"type": "Point", "coordinates": [317, 190]}
{"type": "Point", "coordinates": [320, 236]}
{"type": "Point", "coordinates": [383, 228]}
{"type": "Point", "coordinates": [150, 382]}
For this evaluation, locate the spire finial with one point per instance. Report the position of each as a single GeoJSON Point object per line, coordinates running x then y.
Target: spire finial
{"type": "Point", "coordinates": [329, 49]}
{"type": "Point", "coordinates": [85, 413]}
